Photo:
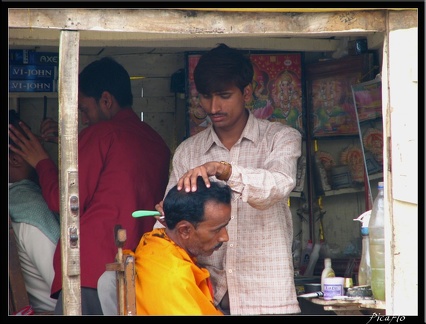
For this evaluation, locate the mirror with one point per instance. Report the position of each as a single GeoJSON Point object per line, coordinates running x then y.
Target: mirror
{"type": "Point", "coordinates": [367, 97]}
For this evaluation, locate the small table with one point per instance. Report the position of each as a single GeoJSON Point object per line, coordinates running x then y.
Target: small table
{"type": "Point", "coordinates": [351, 306]}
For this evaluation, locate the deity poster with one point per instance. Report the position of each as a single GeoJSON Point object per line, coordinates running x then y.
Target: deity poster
{"type": "Point", "coordinates": [329, 94]}
{"type": "Point", "coordinates": [368, 99]}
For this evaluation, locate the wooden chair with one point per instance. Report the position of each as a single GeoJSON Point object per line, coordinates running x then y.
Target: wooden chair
{"type": "Point", "coordinates": [18, 296]}
{"type": "Point", "coordinates": [125, 272]}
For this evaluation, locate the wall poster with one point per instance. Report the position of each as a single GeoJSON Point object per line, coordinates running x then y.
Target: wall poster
{"type": "Point", "coordinates": [329, 93]}
{"type": "Point", "coordinates": [368, 99]}
{"type": "Point", "coordinates": [277, 90]}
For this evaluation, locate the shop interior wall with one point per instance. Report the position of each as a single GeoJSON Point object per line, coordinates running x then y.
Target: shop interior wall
{"type": "Point", "coordinates": [165, 111]}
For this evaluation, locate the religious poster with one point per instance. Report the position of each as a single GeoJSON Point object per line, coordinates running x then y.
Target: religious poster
{"type": "Point", "coordinates": [330, 100]}
{"type": "Point", "coordinates": [277, 91]}
{"type": "Point", "coordinates": [368, 99]}
{"type": "Point", "coordinates": [198, 119]}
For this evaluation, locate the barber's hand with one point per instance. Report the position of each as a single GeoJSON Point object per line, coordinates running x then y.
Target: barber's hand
{"type": "Point", "coordinates": [49, 130]}
{"type": "Point", "coordinates": [159, 208]}
{"type": "Point", "coordinates": [208, 169]}
{"type": "Point", "coordinates": [30, 149]}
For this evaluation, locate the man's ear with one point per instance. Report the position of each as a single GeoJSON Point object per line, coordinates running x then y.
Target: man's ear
{"type": "Point", "coordinates": [184, 229]}
{"type": "Point", "coordinates": [248, 92]}
{"type": "Point", "coordinates": [108, 104]}
{"type": "Point", "coordinates": [14, 160]}
{"type": "Point", "coordinates": [106, 100]}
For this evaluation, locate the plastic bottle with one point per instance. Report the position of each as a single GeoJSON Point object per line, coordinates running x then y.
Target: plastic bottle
{"type": "Point", "coordinates": [296, 250]}
{"type": "Point", "coordinates": [304, 260]}
{"type": "Point", "coordinates": [377, 245]}
{"type": "Point", "coordinates": [313, 260]}
{"type": "Point", "coordinates": [364, 271]}
{"type": "Point", "coordinates": [327, 272]}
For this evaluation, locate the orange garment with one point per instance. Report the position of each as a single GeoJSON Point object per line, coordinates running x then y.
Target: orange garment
{"type": "Point", "coordinates": [168, 280]}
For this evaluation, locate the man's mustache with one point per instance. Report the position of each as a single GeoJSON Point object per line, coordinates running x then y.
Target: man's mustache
{"type": "Point", "coordinates": [217, 247]}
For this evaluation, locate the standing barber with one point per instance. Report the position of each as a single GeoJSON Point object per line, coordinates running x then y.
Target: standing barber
{"type": "Point", "coordinates": [253, 273]}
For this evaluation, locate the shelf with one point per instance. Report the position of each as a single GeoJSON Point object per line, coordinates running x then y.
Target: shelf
{"type": "Point", "coordinates": [296, 194]}
{"type": "Point", "coordinates": [376, 176]}
{"type": "Point", "coordinates": [33, 94]}
{"type": "Point", "coordinates": [343, 191]}
{"type": "Point", "coordinates": [349, 307]}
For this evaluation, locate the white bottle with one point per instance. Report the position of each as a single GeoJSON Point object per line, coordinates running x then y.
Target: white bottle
{"type": "Point", "coordinates": [304, 260]}
{"type": "Point", "coordinates": [364, 271]}
{"type": "Point", "coordinates": [327, 272]}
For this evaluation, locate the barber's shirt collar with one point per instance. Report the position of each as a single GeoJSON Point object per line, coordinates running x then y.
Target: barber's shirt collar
{"type": "Point", "coordinates": [250, 132]}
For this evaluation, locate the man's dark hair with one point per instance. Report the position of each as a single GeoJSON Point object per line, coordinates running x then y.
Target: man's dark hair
{"type": "Point", "coordinates": [181, 205]}
{"type": "Point", "coordinates": [220, 68]}
{"type": "Point", "coordinates": [106, 75]}
{"type": "Point", "coordinates": [14, 120]}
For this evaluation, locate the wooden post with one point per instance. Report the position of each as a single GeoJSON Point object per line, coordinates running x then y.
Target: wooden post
{"type": "Point", "coordinates": [68, 171]}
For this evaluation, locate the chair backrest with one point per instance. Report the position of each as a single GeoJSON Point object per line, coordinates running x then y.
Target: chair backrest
{"type": "Point", "coordinates": [18, 296]}
{"type": "Point", "coordinates": [124, 268]}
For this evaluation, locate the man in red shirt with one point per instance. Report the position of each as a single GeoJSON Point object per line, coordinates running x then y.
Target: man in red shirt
{"type": "Point", "coordinates": [123, 166]}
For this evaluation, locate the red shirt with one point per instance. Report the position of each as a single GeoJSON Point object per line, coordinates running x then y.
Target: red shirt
{"type": "Point", "coordinates": [123, 166]}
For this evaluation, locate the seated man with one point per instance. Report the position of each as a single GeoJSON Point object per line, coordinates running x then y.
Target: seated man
{"type": "Point", "coordinates": [168, 279]}
{"type": "Point", "coordinates": [36, 228]}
